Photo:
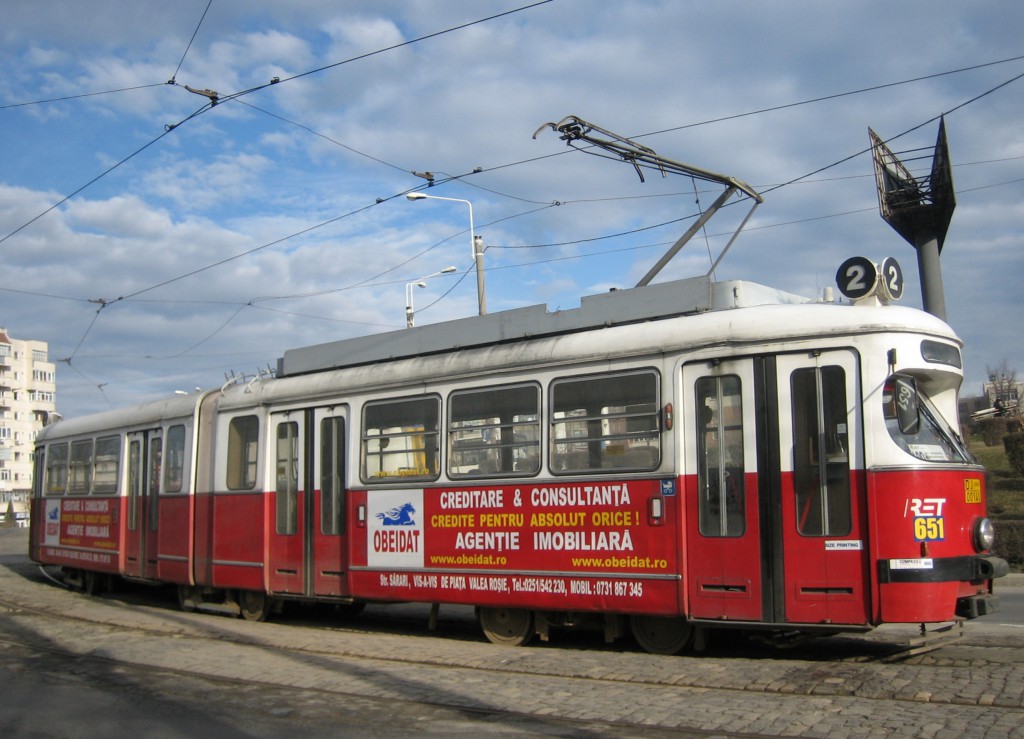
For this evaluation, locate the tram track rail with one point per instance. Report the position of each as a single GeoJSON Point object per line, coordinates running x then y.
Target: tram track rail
{"type": "Point", "coordinates": [857, 669]}
{"type": "Point", "coordinates": [307, 665]}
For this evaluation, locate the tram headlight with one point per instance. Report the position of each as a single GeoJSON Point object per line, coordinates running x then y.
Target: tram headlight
{"type": "Point", "coordinates": [984, 535]}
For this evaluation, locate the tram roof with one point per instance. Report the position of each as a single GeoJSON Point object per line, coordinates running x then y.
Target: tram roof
{"type": "Point", "coordinates": [177, 406]}
{"type": "Point", "coordinates": [617, 307]}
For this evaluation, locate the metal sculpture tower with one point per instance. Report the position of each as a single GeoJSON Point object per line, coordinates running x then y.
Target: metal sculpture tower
{"type": "Point", "coordinates": [918, 209]}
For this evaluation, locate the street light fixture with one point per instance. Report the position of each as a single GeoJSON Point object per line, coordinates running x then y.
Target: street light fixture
{"type": "Point", "coordinates": [409, 312]}
{"type": "Point", "coordinates": [475, 242]}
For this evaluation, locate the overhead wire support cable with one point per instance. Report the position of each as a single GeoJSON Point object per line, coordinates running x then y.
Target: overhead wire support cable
{"type": "Point", "coordinates": [190, 42]}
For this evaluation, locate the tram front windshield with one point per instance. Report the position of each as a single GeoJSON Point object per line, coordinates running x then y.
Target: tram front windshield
{"type": "Point", "coordinates": [917, 426]}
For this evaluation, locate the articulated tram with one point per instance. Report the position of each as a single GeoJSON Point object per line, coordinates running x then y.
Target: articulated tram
{"type": "Point", "coordinates": [663, 460]}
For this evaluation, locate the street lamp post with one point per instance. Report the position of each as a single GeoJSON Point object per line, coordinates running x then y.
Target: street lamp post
{"type": "Point", "coordinates": [475, 242]}
{"type": "Point", "coordinates": [410, 314]}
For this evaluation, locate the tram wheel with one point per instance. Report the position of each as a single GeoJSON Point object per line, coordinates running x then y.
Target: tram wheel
{"type": "Point", "coordinates": [510, 627]}
{"type": "Point", "coordinates": [187, 598]}
{"type": "Point", "coordinates": [254, 605]}
{"type": "Point", "coordinates": [89, 581]}
{"type": "Point", "coordinates": [661, 635]}
{"type": "Point", "coordinates": [350, 610]}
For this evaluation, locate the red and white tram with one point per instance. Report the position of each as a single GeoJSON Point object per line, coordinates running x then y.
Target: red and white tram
{"type": "Point", "coordinates": [667, 459]}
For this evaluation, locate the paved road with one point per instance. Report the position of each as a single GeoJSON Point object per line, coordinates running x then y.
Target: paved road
{"type": "Point", "coordinates": [130, 662]}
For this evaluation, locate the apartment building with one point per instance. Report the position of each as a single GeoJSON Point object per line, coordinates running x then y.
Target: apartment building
{"type": "Point", "coordinates": [27, 399]}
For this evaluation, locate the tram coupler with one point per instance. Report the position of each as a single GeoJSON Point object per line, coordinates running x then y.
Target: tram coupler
{"type": "Point", "coordinates": [940, 635]}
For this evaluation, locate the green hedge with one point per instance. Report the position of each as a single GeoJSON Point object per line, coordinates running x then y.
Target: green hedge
{"type": "Point", "coordinates": [1013, 443]}
{"type": "Point", "coordinates": [993, 429]}
{"type": "Point", "coordinates": [1010, 542]}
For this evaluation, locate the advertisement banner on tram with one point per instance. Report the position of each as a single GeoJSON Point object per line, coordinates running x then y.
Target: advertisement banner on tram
{"type": "Point", "coordinates": [600, 541]}
{"type": "Point", "coordinates": [81, 530]}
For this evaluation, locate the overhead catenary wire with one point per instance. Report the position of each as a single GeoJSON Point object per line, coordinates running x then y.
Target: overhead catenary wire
{"type": "Point", "coordinates": [388, 164]}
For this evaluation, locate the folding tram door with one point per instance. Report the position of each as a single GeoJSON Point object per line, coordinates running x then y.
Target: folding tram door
{"type": "Point", "coordinates": [142, 517]}
{"type": "Point", "coordinates": [774, 490]}
{"type": "Point", "coordinates": [307, 553]}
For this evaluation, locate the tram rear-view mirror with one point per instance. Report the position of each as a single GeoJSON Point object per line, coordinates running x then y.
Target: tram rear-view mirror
{"type": "Point", "coordinates": [908, 414]}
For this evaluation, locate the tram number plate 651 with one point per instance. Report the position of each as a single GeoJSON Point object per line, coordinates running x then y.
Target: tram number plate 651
{"type": "Point", "coordinates": [929, 528]}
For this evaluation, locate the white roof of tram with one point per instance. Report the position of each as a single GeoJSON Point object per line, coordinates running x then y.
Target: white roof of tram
{"type": "Point", "coordinates": [617, 307]}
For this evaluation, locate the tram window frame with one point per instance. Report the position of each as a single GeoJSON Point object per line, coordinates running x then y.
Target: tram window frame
{"type": "Point", "coordinates": [56, 469]}
{"type": "Point", "coordinates": [503, 418]}
{"type": "Point", "coordinates": [175, 466]}
{"type": "Point", "coordinates": [917, 427]}
{"type": "Point", "coordinates": [582, 407]}
{"type": "Point", "coordinates": [106, 465]}
{"type": "Point", "coordinates": [286, 466]}
{"type": "Point", "coordinates": [414, 416]}
{"type": "Point", "coordinates": [721, 467]}
{"type": "Point", "coordinates": [823, 496]}
{"type": "Point", "coordinates": [332, 475]}
{"type": "Point", "coordinates": [243, 452]}
{"type": "Point", "coordinates": [80, 467]}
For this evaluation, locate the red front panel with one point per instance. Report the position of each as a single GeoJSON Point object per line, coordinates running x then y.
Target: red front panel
{"type": "Point", "coordinates": [81, 533]}
{"type": "Point", "coordinates": [921, 516]}
{"type": "Point", "coordinates": [564, 546]}
{"type": "Point", "coordinates": [231, 540]}
{"type": "Point", "coordinates": [175, 539]}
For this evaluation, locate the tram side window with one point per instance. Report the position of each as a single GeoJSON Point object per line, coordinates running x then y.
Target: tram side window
{"type": "Point", "coordinates": [332, 475]}
{"type": "Point", "coordinates": [174, 460]}
{"type": "Point", "coordinates": [720, 471]}
{"type": "Point", "coordinates": [57, 469]}
{"type": "Point", "coordinates": [106, 465]}
{"type": "Point", "coordinates": [80, 467]}
{"type": "Point", "coordinates": [606, 423]}
{"type": "Point", "coordinates": [287, 464]}
{"type": "Point", "coordinates": [494, 432]}
{"type": "Point", "coordinates": [821, 465]}
{"type": "Point", "coordinates": [400, 440]}
{"type": "Point", "coordinates": [243, 448]}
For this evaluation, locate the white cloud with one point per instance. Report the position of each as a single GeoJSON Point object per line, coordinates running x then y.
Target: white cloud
{"type": "Point", "coordinates": [234, 179]}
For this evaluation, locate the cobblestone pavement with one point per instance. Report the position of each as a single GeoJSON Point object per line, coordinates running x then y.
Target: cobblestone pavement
{"type": "Point", "coordinates": [284, 675]}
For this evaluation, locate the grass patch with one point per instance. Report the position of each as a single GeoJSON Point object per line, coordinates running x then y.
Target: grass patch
{"type": "Point", "coordinates": [1005, 489]}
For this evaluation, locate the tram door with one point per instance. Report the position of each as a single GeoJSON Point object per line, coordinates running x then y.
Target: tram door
{"type": "Point", "coordinates": [145, 449]}
{"type": "Point", "coordinates": [774, 493]}
{"type": "Point", "coordinates": [307, 553]}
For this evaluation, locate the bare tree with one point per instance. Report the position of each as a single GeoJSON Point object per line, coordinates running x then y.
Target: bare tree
{"type": "Point", "coordinates": [1003, 388]}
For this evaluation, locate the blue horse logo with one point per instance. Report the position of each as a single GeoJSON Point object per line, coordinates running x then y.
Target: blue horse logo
{"type": "Point", "coordinates": [398, 516]}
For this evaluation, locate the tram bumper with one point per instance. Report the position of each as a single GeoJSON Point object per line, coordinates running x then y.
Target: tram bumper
{"type": "Point", "coordinates": [973, 568]}
{"type": "Point", "coordinates": [932, 590]}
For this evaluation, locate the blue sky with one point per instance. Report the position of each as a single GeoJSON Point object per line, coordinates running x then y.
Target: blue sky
{"type": "Point", "coordinates": [200, 241]}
